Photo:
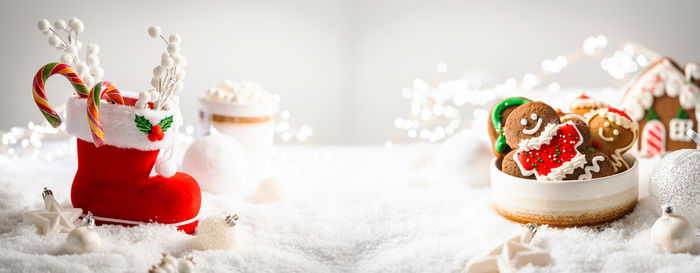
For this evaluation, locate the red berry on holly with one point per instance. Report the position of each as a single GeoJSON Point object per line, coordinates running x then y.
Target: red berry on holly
{"type": "Point", "coordinates": [596, 144]}
{"type": "Point", "coordinates": [156, 133]}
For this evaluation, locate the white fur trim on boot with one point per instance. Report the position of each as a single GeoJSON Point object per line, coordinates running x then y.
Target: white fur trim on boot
{"type": "Point", "coordinates": [119, 125]}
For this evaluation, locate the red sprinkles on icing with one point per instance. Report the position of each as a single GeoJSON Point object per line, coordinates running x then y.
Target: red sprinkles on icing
{"type": "Point", "coordinates": [560, 149]}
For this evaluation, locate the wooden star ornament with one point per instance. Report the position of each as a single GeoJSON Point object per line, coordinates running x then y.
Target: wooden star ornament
{"type": "Point", "coordinates": [53, 218]}
{"type": "Point", "coordinates": [511, 254]}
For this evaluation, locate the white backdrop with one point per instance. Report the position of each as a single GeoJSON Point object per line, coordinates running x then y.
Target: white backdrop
{"type": "Point", "coordinates": [339, 65]}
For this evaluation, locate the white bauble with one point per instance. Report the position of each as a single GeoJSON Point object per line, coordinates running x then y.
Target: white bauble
{"type": "Point", "coordinates": [270, 190]}
{"type": "Point", "coordinates": [215, 233]}
{"type": "Point", "coordinates": [218, 163]}
{"type": "Point", "coordinates": [82, 240]}
{"type": "Point", "coordinates": [676, 181]}
{"type": "Point", "coordinates": [466, 157]}
{"type": "Point", "coordinates": [673, 232]}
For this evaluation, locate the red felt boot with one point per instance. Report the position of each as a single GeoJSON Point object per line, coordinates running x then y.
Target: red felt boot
{"type": "Point", "coordinates": [114, 180]}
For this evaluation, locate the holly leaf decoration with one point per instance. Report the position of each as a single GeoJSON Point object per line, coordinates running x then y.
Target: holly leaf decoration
{"type": "Point", "coordinates": [143, 124]}
{"type": "Point", "coordinates": [166, 123]}
{"type": "Point", "coordinates": [681, 114]}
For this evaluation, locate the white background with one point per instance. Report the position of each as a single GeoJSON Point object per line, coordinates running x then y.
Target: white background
{"type": "Point", "coordinates": [339, 66]}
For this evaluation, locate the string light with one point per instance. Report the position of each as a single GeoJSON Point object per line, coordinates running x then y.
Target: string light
{"type": "Point", "coordinates": [287, 130]}
{"type": "Point", "coordinates": [436, 110]}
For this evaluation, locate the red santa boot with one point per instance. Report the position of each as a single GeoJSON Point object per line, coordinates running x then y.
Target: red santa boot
{"type": "Point", "coordinates": [114, 180]}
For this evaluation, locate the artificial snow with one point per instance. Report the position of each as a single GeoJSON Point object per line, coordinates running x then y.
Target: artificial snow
{"type": "Point", "coordinates": [349, 209]}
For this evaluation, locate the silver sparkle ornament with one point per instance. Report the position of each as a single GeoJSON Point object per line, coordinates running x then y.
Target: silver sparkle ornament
{"type": "Point", "coordinates": [676, 180]}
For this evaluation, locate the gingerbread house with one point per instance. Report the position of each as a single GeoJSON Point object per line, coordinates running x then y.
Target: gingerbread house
{"type": "Point", "coordinates": [664, 102]}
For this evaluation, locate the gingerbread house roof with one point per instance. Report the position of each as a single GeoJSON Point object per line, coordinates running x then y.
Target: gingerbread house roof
{"type": "Point", "coordinates": [663, 77]}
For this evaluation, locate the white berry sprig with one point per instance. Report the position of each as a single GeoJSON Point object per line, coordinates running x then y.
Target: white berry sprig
{"type": "Point", "coordinates": [167, 76]}
{"type": "Point", "coordinates": [89, 70]}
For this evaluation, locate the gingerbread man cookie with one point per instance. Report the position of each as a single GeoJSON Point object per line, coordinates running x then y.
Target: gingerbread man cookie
{"type": "Point", "coordinates": [497, 118]}
{"type": "Point", "coordinates": [583, 105]}
{"type": "Point", "coordinates": [599, 165]}
{"type": "Point", "coordinates": [509, 166]}
{"type": "Point", "coordinates": [542, 146]}
{"type": "Point", "coordinates": [528, 121]}
{"type": "Point", "coordinates": [613, 133]}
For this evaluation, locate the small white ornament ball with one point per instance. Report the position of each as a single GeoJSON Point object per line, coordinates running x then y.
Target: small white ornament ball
{"type": "Point", "coordinates": [93, 60]}
{"type": "Point", "coordinates": [216, 232]}
{"type": "Point", "coordinates": [84, 238]}
{"type": "Point", "coordinates": [173, 48]}
{"type": "Point", "coordinates": [180, 74]}
{"type": "Point", "coordinates": [97, 72]}
{"type": "Point", "coordinates": [60, 24]}
{"type": "Point", "coordinates": [270, 190]}
{"type": "Point", "coordinates": [218, 163]}
{"type": "Point", "coordinates": [672, 231]}
{"type": "Point", "coordinates": [181, 62]}
{"type": "Point", "coordinates": [93, 49]}
{"type": "Point", "coordinates": [76, 25]}
{"type": "Point", "coordinates": [154, 83]}
{"type": "Point", "coordinates": [55, 41]}
{"type": "Point", "coordinates": [167, 62]}
{"type": "Point", "coordinates": [67, 58]}
{"type": "Point", "coordinates": [159, 72]}
{"type": "Point", "coordinates": [465, 156]}
{"type": "Point", "coordinates": [166, 167]}
{"type": "Point", "coordinates": [174, 38]}
{"type": "Point", "coordinates": [43, 25]}
{"type": "Point", "coordinates": [676, 181]}
{"type": "Point", "coordinates": [154, 31]}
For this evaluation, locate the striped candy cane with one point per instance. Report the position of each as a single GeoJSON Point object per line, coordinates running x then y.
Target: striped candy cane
{"type": "Point", "coordinates": [93, 108]}
{"type": "Point", "coordinates": [39, 91]}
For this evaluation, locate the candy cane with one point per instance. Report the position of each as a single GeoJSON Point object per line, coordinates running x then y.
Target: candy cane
{"type": "Point", "coordinates": [40, 93]}
{"type": "Point", "coordinates": [93, 108]}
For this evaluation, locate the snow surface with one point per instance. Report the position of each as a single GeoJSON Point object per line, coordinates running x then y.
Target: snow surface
{"type": "Point", "coordinates": [348, 209]}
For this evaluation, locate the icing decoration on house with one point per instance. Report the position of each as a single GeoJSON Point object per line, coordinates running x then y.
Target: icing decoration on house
{"type": "Point", "coordinates": [653, 135]}
{"type": "Point", "coordinates": [589, 170]}
{"type": "Point", "coordinates": [664, 81]}
{"type": "Point", "coordinates": [553, 154]}
{"type": "Point", "coordinates": [500, 144]}
{"type": "Point", "coordinates": [679, 125]}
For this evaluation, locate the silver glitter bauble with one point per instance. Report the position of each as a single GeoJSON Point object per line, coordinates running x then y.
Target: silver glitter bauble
{"type": "Point", "coordinates": [676, 180]}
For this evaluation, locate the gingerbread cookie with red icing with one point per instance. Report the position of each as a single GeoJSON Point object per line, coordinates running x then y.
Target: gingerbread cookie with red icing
{"type": "Point", "coordinates": [585, 131]}
{"type": "Point", "coordinates": [613, 133]}
{"type": "Point", "coordinates": [497, 119]}
{"type": "Point", "coordinates": [543, 146]}
{"type": "Point", "coordinates": [599, 165]}
{"type": "Point", "coordinates": [528, 121]}
{"type": "Point", "coordinates": [509, 166]}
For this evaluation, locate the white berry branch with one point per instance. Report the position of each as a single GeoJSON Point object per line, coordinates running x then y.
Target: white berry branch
{"type": "Point", "coordinates": [167, 76]}
{"type": "Point", "coordinates": [89, 70]}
